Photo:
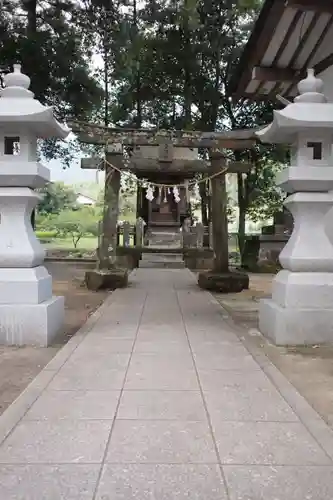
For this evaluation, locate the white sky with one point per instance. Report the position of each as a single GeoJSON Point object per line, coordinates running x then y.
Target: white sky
{"type": "Point", "coordinates": [73, 174]}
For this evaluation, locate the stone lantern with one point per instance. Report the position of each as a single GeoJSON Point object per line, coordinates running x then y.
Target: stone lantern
{"type": "Point", "coordinates": [301, 308]}
{"type": "Point", "coordinates": [29, 314]}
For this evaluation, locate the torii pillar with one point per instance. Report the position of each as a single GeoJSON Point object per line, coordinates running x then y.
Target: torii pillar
{"type": "Point", "coordinates": [221, 278]}
{"type": "Point", "coordinates": [107, 274]}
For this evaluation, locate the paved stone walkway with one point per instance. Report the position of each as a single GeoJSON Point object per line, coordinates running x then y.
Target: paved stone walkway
{"type": "Point", "coordinates": [158, 398]}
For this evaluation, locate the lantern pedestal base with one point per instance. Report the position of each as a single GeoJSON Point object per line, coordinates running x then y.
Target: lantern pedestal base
{"type": "Point", "coordinates": [25, 285]}
{"type": "Point", "coordinates": [31, 324]}
{"type": "Point", "coordinates": [290, 326]}
{"type": "Point", "coordinates": [301, 309]}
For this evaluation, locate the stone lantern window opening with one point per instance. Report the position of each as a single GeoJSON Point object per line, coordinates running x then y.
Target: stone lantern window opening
{"type": "Point", "coordinates": [317, 150]}
{"type": "Point", "coordinates": [312, 150]}
{"type": "Point", "coordinates": [12, 145]}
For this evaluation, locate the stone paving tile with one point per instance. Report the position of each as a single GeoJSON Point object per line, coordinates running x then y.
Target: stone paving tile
{"type": "Point", "coordinates": [75, 377]}
{"type": "Point", "coordinates": [279, 483]}
{"type": "Point", "coordinates": [49, 482]}
{"type": "Point", "coordinates": [213, 380]}
{"type": "Point", "coordinates": [56, 442]}
{"type": "Point", "coordinates": [158, 441]}
{"type": "Point", "coordinates": [267, 443]}
{"type": "Point", "coordinates": [160, 334]}
{"type": "Point", "coordinates": [224, 357]}
{"type": "Point", "coordinates": [161, 360]}
{"type": "Point", "coordinates": [152, 371]}
{"type": "Point", "coordinates": [162, 346]}
{"type": "Point", "coordinates": [111, 346]}
{"type": "Point", "coordinates": [198, 336]}
{"type": "Point", "coordinates": [248, 403]}
{"type": "Point", "coordinates": [107, 332]}
{"type": "Point", "coordinates": [52, 405]}
{"type": "Point", "coordinates": [161, 482]}
{"type": "Point", "coordinates": [95, 357]}
{"type": "Point", "coordinates": [164, 405]}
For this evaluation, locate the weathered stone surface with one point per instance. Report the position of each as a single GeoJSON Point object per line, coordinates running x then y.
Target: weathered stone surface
{"type": "Point", "coordinates": [98, 279]}
{"type": "Point", "coordinates": [230, 282]}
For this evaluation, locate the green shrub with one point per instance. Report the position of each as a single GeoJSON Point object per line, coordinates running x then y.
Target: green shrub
{"type": "Point", "coordinates": [44, 235]}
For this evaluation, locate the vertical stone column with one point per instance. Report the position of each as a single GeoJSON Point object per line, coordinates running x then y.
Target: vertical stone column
{"type": "Point", "coordinates": [108, 247]}
{"type": "Point", "coordinates": [219, 215]}
{"type": "Point", "coordinates": [221, 278]}
{"type": "Point", "coordinates": [107, 274]}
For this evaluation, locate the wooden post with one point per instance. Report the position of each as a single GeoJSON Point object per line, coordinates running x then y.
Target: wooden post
{"type": "Point", "coordinates": [219, 214]}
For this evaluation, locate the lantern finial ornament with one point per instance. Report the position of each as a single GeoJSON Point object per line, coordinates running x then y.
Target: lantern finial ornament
{"type": "Point", "coordinates": [310, 89]}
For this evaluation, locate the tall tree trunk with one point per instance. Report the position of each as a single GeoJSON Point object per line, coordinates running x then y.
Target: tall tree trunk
{"type": "Point", "coordinates": [242, 204]}
{"type": "Point", "coordinates": [30, 6]}
{"type": "Point", "coordinates": [106, 80]}
{"type": "Point", "coordinates": [219, 216]}
{"type": "Point", "coordinates": [135, 39]}
{"type": "Point", "coordinates": [204, 202]}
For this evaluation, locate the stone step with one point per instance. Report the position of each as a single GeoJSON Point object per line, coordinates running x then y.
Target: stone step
{"type": "Point", "coordinates": [162, 265]}
{"type": "Point", "coordinates": [160, 257]}
{"type": "Point", "coordinates": [168, 237]}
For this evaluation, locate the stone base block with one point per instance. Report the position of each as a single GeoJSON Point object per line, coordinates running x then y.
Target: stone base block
{"type": "Point", "coordinates": [31, 324]}
{"type": "Point", "coordinates": [231, 282]}
{"type": "Point", "coordinates": [292, 326]}
{"type": "Point", "coordinates": [303, 290]}
{"type": "Point", "coordinates": [99, 279]}
{"type": "Point", "coordinates": [25, 285]}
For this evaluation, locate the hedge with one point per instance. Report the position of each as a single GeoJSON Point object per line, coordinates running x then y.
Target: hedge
{"type": "Point", "coordinates": [46, 234]}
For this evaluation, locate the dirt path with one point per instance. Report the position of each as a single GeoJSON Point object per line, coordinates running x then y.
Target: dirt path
{"type": "Point", "coordinates": [309, 369]}
{"type": "Point", "coordinates": [20, 365]}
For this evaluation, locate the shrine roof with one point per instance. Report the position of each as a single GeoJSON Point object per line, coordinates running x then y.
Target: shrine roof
{"type": "Point", "coordinates": [287, 38]}
{"type": "Point", "coordinates": [17, 105]}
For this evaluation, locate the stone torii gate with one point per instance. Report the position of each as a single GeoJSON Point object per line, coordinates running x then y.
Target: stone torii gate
{"type": "Point", "coordinates": [114, 139]}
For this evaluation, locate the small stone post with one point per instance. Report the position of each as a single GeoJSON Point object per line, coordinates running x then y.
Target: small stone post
{"type": "Point", "coordinates": [29, 314]}
{"type": "Point", "coordinates": [210, 231]}
{"type": "Point", "coordinates": [126, 234]}
{"type": "Point", "coordinates": [139, 227]}
{"type": "Point", "coordinates": [199, 229]}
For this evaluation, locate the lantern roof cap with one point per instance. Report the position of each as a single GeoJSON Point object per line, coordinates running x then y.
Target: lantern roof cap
{"type": "Point", "coordinates": [309, 112]}
{"type": "Point", "coordinates": [18, 106]}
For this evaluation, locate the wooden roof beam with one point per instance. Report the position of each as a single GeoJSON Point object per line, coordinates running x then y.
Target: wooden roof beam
{"type": "Point", "coordinates": [324, 6]}
{"type": "Point", "coordinates": [274, 74]}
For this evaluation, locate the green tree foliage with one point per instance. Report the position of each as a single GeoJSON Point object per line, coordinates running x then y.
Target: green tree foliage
{"type": "Point", "coordinates": [56, 197]}
{"type": "Point", "coordinates": [73, 223]}
{"type": "Point", "coordinates": [43, 35]}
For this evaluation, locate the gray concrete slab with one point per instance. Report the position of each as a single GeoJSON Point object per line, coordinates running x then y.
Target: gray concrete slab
{"type": "Point", "coordinates": [159, 397]}
{"type": "Point", "coordinates": [161, 442]}
{"type": "Point", "coordinates": [161, 482]}
{"type": "Point", "coordinates": [279, 483]}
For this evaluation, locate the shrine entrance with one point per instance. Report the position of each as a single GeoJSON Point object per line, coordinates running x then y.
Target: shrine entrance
{"type": "Point", "coordinates": [167, 165]}
{"type": "Point", "coordinates": [164, 211]}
